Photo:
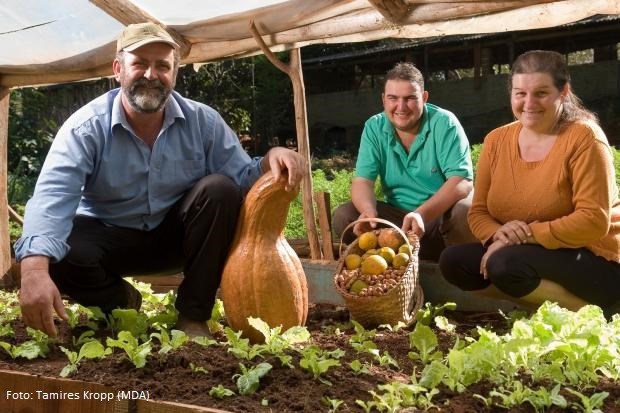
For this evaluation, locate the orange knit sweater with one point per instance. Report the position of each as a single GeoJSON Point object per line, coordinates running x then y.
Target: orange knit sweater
{"type": "Point", "coordinates": [569, 199]}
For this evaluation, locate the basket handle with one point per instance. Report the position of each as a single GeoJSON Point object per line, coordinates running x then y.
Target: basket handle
{"type": "Point", "coordinates": [379, 220]}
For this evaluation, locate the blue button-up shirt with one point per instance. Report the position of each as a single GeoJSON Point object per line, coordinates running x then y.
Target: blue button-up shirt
{"type": "Point", "coordinates": [98, 167]}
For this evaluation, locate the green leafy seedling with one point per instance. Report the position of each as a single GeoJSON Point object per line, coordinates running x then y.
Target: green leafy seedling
{"type": "Point", "coordinates": [241, 347]}
{"type": "Point", "coordinates": [318, 361]}
{"type": "Point", "coordinates": [30, 349]}
{"type": "Point", "coordinates": [90, 350]}
{"type": "Point", "coordinates": [6, 330]}
{"type": "Point", "coordinates": [136, 353]}
{"type": "Point", "coordinates": [197, 369]}
{"type": "Point", "coordinates": [204, 341]}
{"type": "Point", "coordinates": [85, 337]}
{"type": "Point", "coordinates": [333, 404]}
{"type": "Point", "coordinates": [129, 320]}
{"type": "Point", "coordinates": [217, 315]}
{"type": "Point", "coordinates": [248, 380]}
{"type": "Point", "coordinates": [219, 392]}
{"type": "Point", "coordinates": [358, 367]}
{"type": "Point", "coordinates": [171, 341]}
{"type": "Point", "coordinates": [589, 404]}
{"type": "Point", "coordinates": [428, 313]}
{"type": "Point", "coordinates": [424, 340]}
{"type": "Point", "coordinates": [278, 342]}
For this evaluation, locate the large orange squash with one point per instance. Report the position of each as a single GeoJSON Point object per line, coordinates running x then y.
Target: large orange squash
{"type": "Point", "coordinates": [263, 276]}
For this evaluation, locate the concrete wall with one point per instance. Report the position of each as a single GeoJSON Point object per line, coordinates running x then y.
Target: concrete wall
{"type": "Point", "coordinates": [341, 115]}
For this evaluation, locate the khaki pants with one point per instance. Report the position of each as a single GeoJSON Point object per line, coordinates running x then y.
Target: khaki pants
{"type": "Point", "coordinates": [450, 229]}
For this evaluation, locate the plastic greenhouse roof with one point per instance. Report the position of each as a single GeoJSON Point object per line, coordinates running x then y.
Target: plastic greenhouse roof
{"type": "Point", "coordinates": [45, 42]}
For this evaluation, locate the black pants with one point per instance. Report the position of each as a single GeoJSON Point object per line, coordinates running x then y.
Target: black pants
{"type": "Point", "coordinates": [194, 237]}
{"type": "Point", "coordinates": [518, 269]}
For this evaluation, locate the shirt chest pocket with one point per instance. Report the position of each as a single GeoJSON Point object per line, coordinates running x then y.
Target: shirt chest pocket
{"type": "Point", "coordinates": [189, 168]}
{"type": "Point", "coordinates": [176, 176]}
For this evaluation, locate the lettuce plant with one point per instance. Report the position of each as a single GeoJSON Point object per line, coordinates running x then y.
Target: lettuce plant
{"type": "Point", "coordinates": [136, 353]}
{"type": "Point", "coordinates": [90, 350]}
{"type": "Point", "coordinates": [248, 380]}
{"type": "Point", "coordinates": [317, 361]}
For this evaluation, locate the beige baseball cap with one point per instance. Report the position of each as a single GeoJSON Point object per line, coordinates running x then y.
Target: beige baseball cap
{"type": "Point", "coordinates": [139, 34]}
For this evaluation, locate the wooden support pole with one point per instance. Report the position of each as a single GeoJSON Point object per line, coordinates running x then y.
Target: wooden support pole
{"type": "Point", "coordinates": [325, 226]}
{"type": "Point", "coordinates": [5, 242]}
{"type": "Point", "coordinates": [15, 216]}
{"type": "Point", "coordinates": [294, 72]}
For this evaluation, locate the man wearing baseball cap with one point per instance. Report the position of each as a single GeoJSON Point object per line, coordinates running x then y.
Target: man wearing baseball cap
{"type": "Point", "coordinates": [140, 34]}
{"type": "Point", "coordinates": [139, 181]}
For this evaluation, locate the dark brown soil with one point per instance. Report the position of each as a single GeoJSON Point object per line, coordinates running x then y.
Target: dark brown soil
{"type": "Point", "coordinates": [283, 389]}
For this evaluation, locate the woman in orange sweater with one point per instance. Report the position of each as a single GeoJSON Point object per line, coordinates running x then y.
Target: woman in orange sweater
{"type": "Point", "coordinates": [545, 206]}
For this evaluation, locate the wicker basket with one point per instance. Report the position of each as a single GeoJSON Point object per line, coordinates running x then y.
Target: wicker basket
{"type": "Point", "coordinates": [400, 303]}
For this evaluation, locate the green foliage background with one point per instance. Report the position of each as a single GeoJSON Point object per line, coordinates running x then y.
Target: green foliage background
{"type": "Point", "coordinates": [242, 91]}
{"type": "Point", "coordinates": [31, 131]}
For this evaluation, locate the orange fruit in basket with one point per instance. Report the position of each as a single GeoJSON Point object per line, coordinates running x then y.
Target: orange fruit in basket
{"type": "Point", "coordinates": [369, 253]}
{"type": "Point", "coordinates": [357, 286]}
{"type": "Point", "coordinates": [352, 261]}
{"type": "Point", "coordinates": [375, 264]}
{"type": "Point", "coordinates": [387, 253]}
{"type": "Point", "coordinates": [368, 240]}
{"type": "Point", "coordinates": [389, 237]}
{"type": "Point", "coordinates": [406, 248]}
{"type": "Point", "coordinates": [400, 260]}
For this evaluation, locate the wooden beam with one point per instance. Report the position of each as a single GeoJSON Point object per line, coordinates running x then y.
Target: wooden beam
{"type": "Point", "coordinates": [293, 70]}
{"type": "Point", "coordinates": [128, 13]}
{"type": "Point", "coordinates": [5, 242]}
{"type": "Point", "coordinates": [393, 10]}
{"type": "Point", "coordinates": [368, 24]}
{"type": "Point", "coordinates": [46, 78]}
{"type": "Point", "coordinates": [15, 216]}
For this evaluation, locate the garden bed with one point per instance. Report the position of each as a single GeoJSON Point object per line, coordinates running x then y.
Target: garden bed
{"type": "Point", "coordinates": [188, 373]}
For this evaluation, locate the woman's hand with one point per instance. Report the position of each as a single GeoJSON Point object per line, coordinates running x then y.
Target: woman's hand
{"type": "Point", "coordinates": [485, 258]}
{"type": "Point", "coordinates": [513, 233]}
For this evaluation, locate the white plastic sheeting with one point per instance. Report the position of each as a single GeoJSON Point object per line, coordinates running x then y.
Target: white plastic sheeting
{"type": "Point", "coordinates": [31, 34]}
{"type": "Point", "coordinates": [44, 41]}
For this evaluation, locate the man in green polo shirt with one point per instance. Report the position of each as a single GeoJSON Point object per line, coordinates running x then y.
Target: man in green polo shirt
{"type": "Point", "coordinates": [421, 154]}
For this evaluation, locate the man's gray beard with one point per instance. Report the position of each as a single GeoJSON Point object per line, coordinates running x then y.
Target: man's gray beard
{"type": "Point", "coordinates": [144, 101]}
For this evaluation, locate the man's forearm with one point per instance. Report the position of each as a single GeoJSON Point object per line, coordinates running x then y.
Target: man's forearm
{"type": "Point", "coordinates": [363, 196]}
{"type": "Point", "coordinates": [452, 191]}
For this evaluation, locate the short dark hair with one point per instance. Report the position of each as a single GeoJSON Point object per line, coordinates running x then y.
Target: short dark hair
{"type": "Point", "coordinates": [405, 71]}
{"type": "Point", "coordinates": [553, 64]}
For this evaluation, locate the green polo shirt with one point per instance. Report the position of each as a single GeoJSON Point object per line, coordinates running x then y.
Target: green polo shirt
{"type": "Point", "coordinates": [440, 150]}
